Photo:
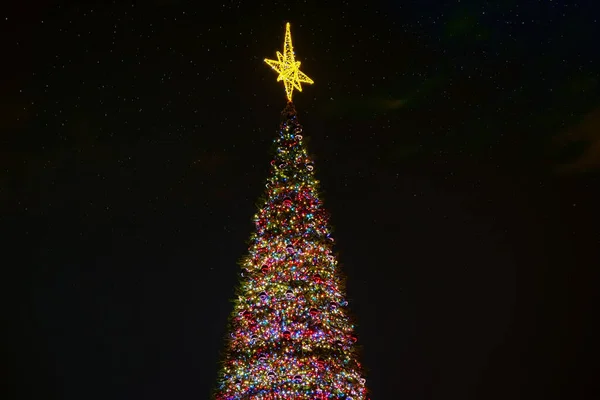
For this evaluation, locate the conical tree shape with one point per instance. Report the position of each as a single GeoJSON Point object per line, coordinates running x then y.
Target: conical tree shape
{"type": "Point", "coordinates": [291, 336]}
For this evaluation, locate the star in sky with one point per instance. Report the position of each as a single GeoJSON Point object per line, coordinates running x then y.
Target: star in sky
{"type": "Point", "coordinates": [288, 68]}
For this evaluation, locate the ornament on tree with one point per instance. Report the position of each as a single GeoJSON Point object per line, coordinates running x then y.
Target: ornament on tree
{"type": "Point", "coordinates": [263, 296]}
{"type": "Point", "coordinates": [289, 294]}
{"type": "Point", "coordinates": [310, 167]}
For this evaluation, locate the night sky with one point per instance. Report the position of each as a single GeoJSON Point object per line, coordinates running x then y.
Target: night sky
{"type": "Point", "coordinates": [458, 148]}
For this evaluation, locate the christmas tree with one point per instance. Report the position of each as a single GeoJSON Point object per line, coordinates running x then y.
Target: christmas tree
{"type": "Point", "coordinates": [291, 336]}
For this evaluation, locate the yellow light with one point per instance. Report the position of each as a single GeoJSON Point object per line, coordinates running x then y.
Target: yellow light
{"type": "Point", "coordinates": [288, 68]}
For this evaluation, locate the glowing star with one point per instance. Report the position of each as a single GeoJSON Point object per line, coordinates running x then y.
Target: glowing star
{"type": "Point", "coordinates": [288, 68]}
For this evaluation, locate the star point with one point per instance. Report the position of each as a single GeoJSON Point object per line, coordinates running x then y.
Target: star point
{"type": "Point", "coordinates": [288, 68]}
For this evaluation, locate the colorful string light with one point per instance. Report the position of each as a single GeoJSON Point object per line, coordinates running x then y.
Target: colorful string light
{"type": "Point", "coordinates": [291, 337]}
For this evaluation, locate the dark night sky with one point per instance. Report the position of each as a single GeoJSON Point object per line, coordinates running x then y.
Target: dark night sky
{"type": "Point", "coordinates": [458, 145]}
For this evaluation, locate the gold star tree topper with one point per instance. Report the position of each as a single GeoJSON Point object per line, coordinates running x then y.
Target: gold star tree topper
{"type": "Point", "coordinates": [288, 68]}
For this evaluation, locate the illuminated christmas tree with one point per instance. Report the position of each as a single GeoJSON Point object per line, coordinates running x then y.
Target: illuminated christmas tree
{"type": "Point", "coordinates": [291, 336]}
